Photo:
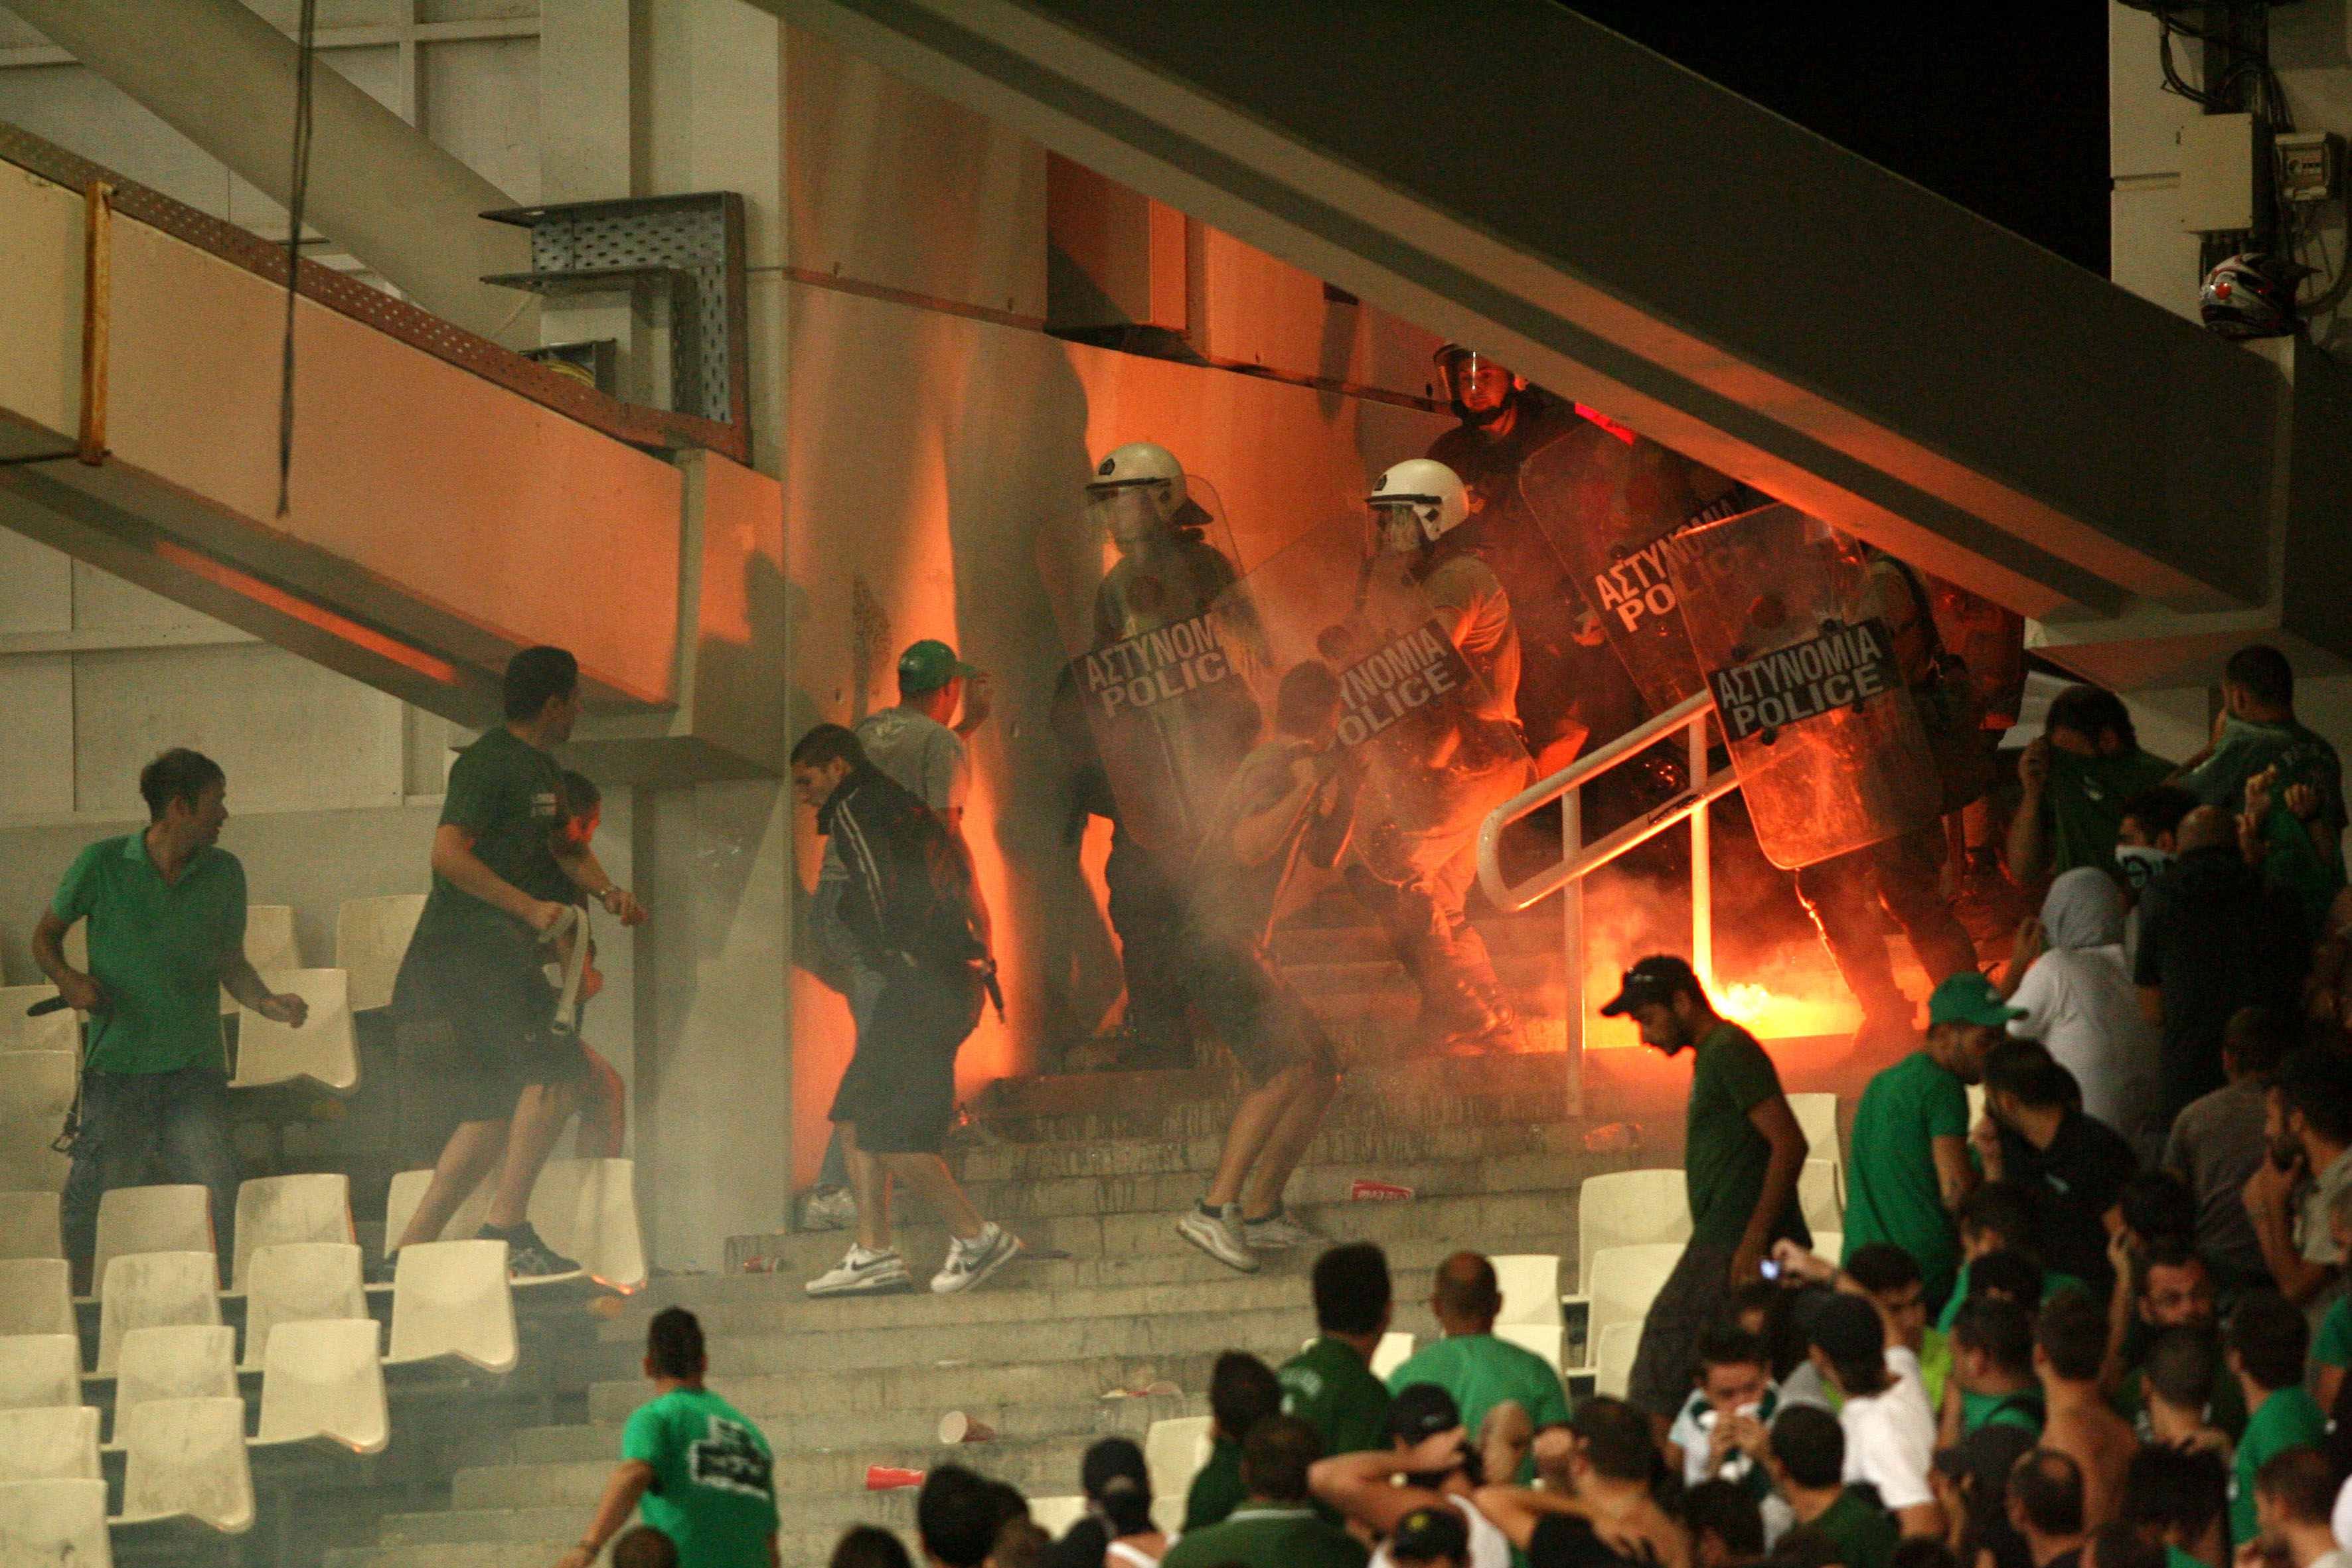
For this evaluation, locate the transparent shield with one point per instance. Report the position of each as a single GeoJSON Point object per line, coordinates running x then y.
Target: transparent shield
{"type": "Point", "coordinates": [1611, 509]}
{"type": "Point", "coordinates": [1162, 685]}
{"type": "Point", "coordinates": [1828, 749]}
{"type": "Point", "coordinates": [1434, 740]}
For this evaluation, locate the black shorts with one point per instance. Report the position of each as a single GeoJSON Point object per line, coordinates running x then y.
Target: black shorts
{"type": "Point", "coordinates": [474, 1032]}
{"type": "Point", "coordinates": [1254, 1009]}
{"type": "Point", "coordinates": [900, 1087]}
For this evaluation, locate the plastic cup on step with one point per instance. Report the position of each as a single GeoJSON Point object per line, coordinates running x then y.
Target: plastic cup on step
{"type": "Point", "coordinates": [1364, 1190]}
{"type": "Point", "coordinates": [891, 1477]}
{"type": "Point", "coordinates": [956, 1427]}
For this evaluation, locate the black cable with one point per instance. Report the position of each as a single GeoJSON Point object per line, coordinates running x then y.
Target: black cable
{"type": "Point", "coordinates": [306, 56]}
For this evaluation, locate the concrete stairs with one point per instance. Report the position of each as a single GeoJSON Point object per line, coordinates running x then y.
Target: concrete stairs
{"type": "Point", "coordinates": [1091, 1171]}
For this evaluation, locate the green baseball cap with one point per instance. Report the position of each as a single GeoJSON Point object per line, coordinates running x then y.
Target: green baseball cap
{"type": "Point", "coordinates": [1969, 997]}
{"type": "Point", "coordinates": [928, 665]}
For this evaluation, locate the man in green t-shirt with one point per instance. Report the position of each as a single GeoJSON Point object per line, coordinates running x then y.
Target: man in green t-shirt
{"type": "Point", "coordinates": [1806, 1457]}
{"type": "Point", "coordinates": [1242, 1392]}
{"type": "Point", "coordinates": [1742, 1152]}
{"type": "Point", "coordinates": [1276, 1526]}
{"type": "Point", "coordinates": [1329, 1384]}
{"type": "Point", "coordinates": [1909, 1167]}
{"type": "Point", "coordinates": [1484, 1375]}
{"type": "Point", "coordinates": [473, 1009]}
{"type": "Point", "coordinates": [2266, 1345]}
{"type": "Point", "coordinates": [166, 913]}
{"type": "Point", "coordinates": [2257, 731]}
{"type": "Point", "coordinates": [704, 1473]}
{"type": "Point", "coordinates": [2077, 779]}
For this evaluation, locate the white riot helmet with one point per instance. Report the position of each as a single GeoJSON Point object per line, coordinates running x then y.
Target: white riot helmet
{"type": "Point", "coordinates": [1136, 492]}
{"type": "Point", "coordinates": [1416, 502]}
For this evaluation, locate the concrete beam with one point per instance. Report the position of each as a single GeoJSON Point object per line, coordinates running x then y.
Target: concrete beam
{"type": "Point", "coordinates": [1514, 176]}
{"type": "Point", "coordinates": [223, 78]}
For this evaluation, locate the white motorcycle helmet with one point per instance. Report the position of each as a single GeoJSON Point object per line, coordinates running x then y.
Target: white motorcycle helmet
{"type": "Point", "coordinates": [1417, 502]}
{"type": "Point", "coordinates": [1136, 492]}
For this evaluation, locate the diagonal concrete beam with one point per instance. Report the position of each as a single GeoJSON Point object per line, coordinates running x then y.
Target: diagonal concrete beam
{"type": "Point", "coordinates": [223, 78]}
{"type": "Point", "coordinates": [1512, 174]}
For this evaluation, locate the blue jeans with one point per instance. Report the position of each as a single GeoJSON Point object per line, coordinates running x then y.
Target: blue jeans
{"type": "Point", "coordinates": [175, 1122]}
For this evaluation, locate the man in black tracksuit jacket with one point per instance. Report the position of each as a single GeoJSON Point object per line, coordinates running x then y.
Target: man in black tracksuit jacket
{"type": "Point", "coordinates": [909, 913]}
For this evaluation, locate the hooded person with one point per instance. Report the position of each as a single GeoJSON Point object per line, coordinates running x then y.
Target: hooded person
{"type": "Point", "coordinates": [2067, 980]}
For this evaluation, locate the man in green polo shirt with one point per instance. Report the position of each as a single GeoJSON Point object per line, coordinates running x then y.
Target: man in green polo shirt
{"type": "Point", "coordinates": [1806, 1457]}
{"type": "Point", "coordinates": [1742, 1152]}
{"type": "Point", "coordinates": [1909, 1169]}
{"type": "Point", "coordinates": [2267, 1338]}
{"type": "Point", "coordinates": [1276, 1527]}
{"type": "Point", "coordinates": [473, 1010]}
{"type": "Point", "coordinates": [1483, 1374]}
{"type": "Point", "coordinates": [1329, 1384]}
{"type": "Point", "coordinates": [166, 912]}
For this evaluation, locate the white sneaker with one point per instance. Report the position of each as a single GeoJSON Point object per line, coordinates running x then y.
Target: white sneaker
{"type": "Point", "coordinates": [863, 1272]}
{"type": "Point", "coordinates": [969, 1262]}
{"type": "Point", "coordinates": [1218, 1235]}
{"type": "Point", "coordinates": [834, 1208]}
{"type": "Point", "coordinates": [1279, 1230]}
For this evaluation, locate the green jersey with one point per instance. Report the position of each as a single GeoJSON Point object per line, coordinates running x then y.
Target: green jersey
{"type": "Point", "coordinates": [507, 796]}
{"type": "Point", "coordinates": [1481, 1372]}
{"type": "Point", "coordinates": [1268, 1535]}
{"type": "Point", "coordinates": [1860, 1536]}
{"type": "Point", "coordinates": [713, 1491]}
{"type": "Point", "coordinates": [1332, 1389]}
{"type": "Point", "coordinates": [1723, 1156]}
{"type": "Point", "coordinates": [156, 947]}
{"type": "Point", "coordinates": [2082, 807]}
{"type": "Point", "coordinates": [1217, 1487]}
{"type": "Point", "coordinates": [1892, 1190]}
{"type": "Point", "coordinates": [2287, 1419]}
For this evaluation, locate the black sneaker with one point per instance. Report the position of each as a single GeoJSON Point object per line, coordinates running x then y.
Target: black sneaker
{"type": "Point", "coordinates": [528, 1257]}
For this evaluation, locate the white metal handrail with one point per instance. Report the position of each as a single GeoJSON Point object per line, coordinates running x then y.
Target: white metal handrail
{"type": "Point", "coordinates": [1578, 858]}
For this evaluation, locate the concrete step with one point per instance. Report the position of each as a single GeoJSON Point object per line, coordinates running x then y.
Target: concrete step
{"type": "Point", "coordinates": [932, 1390]}
{"type": "Point", "coordinates": [1051, 1463]}
{"type": "Point", "coordinates": [1075, 1412]}
{"type": "Point", "coordinates": [1540, 1219]}
{"type": "Point", "coordinates": [1371, 1144]}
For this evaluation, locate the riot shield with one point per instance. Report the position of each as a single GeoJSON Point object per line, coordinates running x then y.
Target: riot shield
{"type": "Point", "coordinates": [1828, 749]}
{"type": "Point", "coordinates": [1614, 509]}
{"type": "Point", "coordinates": [1164, 656]}
{"type": "Point", "coordinates": [1435, 743]}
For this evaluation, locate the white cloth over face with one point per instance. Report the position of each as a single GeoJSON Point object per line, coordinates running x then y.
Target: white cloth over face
{"type": "Point", "coordinates": [2078, 1000]}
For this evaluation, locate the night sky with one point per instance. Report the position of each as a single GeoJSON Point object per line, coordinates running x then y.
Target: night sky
{"type": "Point", "coordinates": [2000, 109]}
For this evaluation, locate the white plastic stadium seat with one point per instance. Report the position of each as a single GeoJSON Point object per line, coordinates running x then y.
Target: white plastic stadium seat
{"type": "Point", "coordinates": [1630, 1208]}
{"type": "Point", "coordinates": [1976, 1105]}
{"type": "Point", "coordinates": [322, 1382]}
{"type": "Point", "coordinates": [151, 1219]}
{"type": "Point", "coordinates": [28, 1225]}
{"type": "Point", "coordinates": [275, 1209]}
{"type": "Point", "coordinates": [1830, 1244]}
{"type": "Point", "coordinates": [1055, 1515]}
{"type": "Point", "coordinates": [1615, 1364]}
{"type": "Point", "coordinates": [185, 1360]}
{"type": "Point", "coordinates": [268, 945]}
{"type": "Point", "coordinates": [58, 1031]}
{"type": "Point", "coordinates": [1817, 1196]}
{"type": "Point", "coordinates": [587, 1209]}
{"type": "Point", "coordinates": [50, 1443]}
{"type": "Point", "coordinates": [54, 1524]}
{"type": "Point", "coordinates": [1395, 1350]}
{"type": "Point", "coordinates": [321, 1050]}
{"type": "Point", "coordinates": [1817, 1117]}
{"type": "Point", "coordinates": [370, 939]}
{"type": "Point", "coordinates": [297, 1282]}
{"type": "Point", "coordinates": [36, 1295]}
{"type": "Point", "coordinates": [1530, 1287]}
{"type": "Point", "coordinates": [407, 1190]}
{"type": "Point", "coordinates": [1173, 1452]}
{"type": "Point", "coordinates": [39, 1369]}
{"type": "Point", "coordinates": [1621, 1283]}
{"type": "Point", "coordinates": [451, 1298]}
{"type": "Point", "coordinates": [154, 1290]}
{"type": "Point", "coordinates": [1546, 1340]}
{"type": "Point", "coordinates": [187, 1462]}
{"type": "Point", "coordinates": [36, 1090]}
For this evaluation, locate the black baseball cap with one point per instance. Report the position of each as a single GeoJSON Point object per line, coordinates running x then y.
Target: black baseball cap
{"type": "Point", "coordinates": [1846, 1327]}
{"type": "Point", "coordinates": [1427, 1534]}
{"type": "Point", "coordinates": [1661, 977]}
{"type": "Point", "coordinates": [1421, 1410]}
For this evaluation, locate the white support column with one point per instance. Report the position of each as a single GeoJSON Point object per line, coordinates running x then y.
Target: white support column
{"type": "Point", "coordinates": [1702, 872]}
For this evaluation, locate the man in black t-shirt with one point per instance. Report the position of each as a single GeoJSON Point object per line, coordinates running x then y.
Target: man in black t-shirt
{"type": "Point", "coordinates": [1599, 1466]}
{"type": "Point", "coordinates": [473, 1012]}
{"type": "Point", "coordinates": [2076, 1164]}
